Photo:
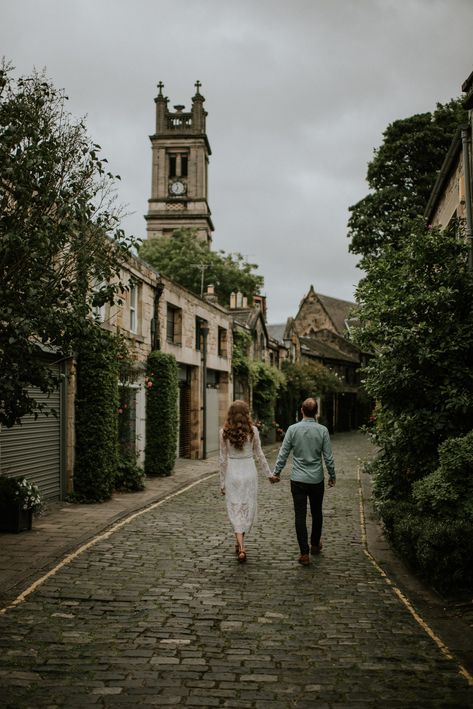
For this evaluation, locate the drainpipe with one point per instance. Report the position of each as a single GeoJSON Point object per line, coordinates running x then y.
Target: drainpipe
{"type": "Point", "coordinates": [155, 336]}
{"type": "Point", "coordinates": [204, 329]}
{"type": "Point", "coordinates": [466, 148]}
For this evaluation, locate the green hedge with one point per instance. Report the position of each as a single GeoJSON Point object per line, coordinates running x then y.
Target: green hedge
{"type": "Point", "coordinates": [161, 414]}
{"type": "Point", "coordinates": [433, 529]}
{"type": "Point", "coordinates": [96, 416]}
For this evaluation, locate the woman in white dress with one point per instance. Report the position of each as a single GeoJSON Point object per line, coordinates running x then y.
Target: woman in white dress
{"type": "Point", "coordinates": [239, 445]}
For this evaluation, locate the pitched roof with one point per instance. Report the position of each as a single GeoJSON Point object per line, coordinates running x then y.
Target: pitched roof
{"type": "Point", "coordinates": [320, 348]}
{"type": "Point", "coordinates": [337, 310]}
{"type": "Point", "coordinates": [277, 331]}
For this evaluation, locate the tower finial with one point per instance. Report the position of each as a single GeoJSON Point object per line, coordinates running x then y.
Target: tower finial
{"type": "Point", "coordinates": [197, 87]}
{"type": "Point", "coordinates": [160, 87]}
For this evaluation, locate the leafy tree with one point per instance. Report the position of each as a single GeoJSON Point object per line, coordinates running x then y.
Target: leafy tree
{"type": "Point", "coordinates": [401, 176]}
{"type": "Point", "coordinates": [417, 317]}
{"type": "Point", "coordinates": [59, 232]}
{"type": "Point", "coordinates": [180, 256]}
{"type": "Point", "coordinates": [303, 379]}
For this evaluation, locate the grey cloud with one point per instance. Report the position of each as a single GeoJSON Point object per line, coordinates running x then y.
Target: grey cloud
{"type": "Point", "coordinates": [298, 94]}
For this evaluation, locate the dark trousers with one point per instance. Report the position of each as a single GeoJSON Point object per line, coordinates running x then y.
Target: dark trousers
{"type": "Point", "coordinates": [315, 494]}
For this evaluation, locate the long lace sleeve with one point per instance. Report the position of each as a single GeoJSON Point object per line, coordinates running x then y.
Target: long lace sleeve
{"type": "Point", "coordinates": [258, 453]}
{"type": "Point", "coordinates": [223, 459]}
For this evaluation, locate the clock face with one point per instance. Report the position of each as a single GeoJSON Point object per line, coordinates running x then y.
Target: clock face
{"type": "Point", "coordinates": [178, 187]}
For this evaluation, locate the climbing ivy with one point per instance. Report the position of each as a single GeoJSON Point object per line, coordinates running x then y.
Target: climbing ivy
{"type": "Point", "coordinates": [161, 413]}
{"type": "Point", "coordinates": [96, 415]}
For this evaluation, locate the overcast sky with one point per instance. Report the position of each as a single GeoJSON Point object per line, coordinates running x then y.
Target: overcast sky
{"type": "Point", "coordinates": [298, 93]}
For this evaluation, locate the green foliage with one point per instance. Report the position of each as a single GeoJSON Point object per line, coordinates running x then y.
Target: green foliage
{"type": "Point", "coordinates": [433, 527]}
{"type": "Point", "coordinates": [130, 477]}
{"type": "Point", "coordinates": [240, 353]}
{"type": "Point", "coordinates": [266, 381]}
{"type": "Point", "coordinates": [401, 176]}
{"type": "Point", "coordinates": [96, 415]}
{"type": "Point", "coordinates": [416, 316]}
{"type": "Point", "coordinates": [19, 492]}
{"type": "Point", "coordinates": [301, 381]}
{"type": "Point", "coordinates": [58, 232]}
{"type": "Point", "coordinates": [179, 256]}
{"type": "Point", "coordinates": [161, 413]}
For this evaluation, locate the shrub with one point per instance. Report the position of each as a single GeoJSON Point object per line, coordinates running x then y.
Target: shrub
{"type": "Point", "coordinates": [266, 382]}
{"type": "Point", "coordinates": [161, 413]}
{"type": "Point", "coordinates": [433, 528]}
{"type": "Point", "coordinates": [96, 416]}
{"type": "Point", "coordinates": [130, 477]}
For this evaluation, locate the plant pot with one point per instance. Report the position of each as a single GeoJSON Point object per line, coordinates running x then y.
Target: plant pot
{"type": "Point", "coordinates": [14, 519]}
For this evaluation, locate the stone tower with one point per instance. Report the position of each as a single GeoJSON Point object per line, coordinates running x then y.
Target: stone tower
{"type": "Point", "coordinates": [180, 156]}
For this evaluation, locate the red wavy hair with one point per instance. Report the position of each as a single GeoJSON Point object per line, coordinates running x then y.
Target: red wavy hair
{"type": "Point", "coordinates": [238, 427]}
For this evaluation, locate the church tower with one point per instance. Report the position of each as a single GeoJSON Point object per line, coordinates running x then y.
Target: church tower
{"type": "Point", "coordinates": [180, 156]}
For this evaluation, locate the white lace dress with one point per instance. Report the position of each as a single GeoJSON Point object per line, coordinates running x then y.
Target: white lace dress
{"type": "Point", "coordinates": [239, 479]}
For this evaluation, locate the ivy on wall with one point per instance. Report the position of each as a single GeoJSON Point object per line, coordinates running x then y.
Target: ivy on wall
{"type": "Point", "coordinates": [266, 381]}
{"type": "Point", "coordinates": [96, 415]}
{"type": "Point", "coordinates": [161, 413]}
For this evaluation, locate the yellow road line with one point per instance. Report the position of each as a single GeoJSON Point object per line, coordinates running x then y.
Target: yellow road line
{"type": "Point", "coordinates": [425, 627]}
{"type": "Point", "coordinates": [105, 535]}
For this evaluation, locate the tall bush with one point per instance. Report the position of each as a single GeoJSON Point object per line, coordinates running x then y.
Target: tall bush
{"type": "Point", "coordinates": [433, 527]}
{"type": "Point", "coordinates": [96, 415]}
{"type": "Point", "coordinates": [161, 413]}
{"type": "Point", "coordinates": [266, 381]}
{"type": "Point", "coordinates": [301, 381]}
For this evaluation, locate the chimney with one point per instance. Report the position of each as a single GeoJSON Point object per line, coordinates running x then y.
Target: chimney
{"type": "Point", "coordinates": [210, 296]}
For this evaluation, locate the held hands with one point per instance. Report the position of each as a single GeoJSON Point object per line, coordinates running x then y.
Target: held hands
{"type": "Point", "coordinates": [222, 491]}
{"type": "Point", "coordinates": [331, 483]}
{"type": "Point", "coordinates": [274, 479]}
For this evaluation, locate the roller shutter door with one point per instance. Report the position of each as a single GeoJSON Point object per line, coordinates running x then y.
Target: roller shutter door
{"type": "Point", "coordinates": [33, 450]}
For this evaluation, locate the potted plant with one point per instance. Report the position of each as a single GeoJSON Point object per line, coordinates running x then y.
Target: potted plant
{"type": "Point", "coordinates": [19, 498]}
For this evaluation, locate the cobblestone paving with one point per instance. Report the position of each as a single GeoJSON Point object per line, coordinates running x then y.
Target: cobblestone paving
{"type": "Point", "coordinates": [162, 614]}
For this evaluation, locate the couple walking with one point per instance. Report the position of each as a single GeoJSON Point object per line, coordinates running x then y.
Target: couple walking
{"type": "Point", "coordinates": [240, 444]}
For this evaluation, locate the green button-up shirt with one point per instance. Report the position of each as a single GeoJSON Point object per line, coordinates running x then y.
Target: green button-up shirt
{"type": "Point", "coordinates": [309, 442]}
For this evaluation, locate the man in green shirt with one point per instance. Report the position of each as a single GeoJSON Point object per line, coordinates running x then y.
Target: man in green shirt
{"type": "Point", "coordinates": [309, 442]}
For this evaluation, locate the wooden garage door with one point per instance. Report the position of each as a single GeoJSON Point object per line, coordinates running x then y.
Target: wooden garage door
{"type": "Point", "coordinates": [33, 449]}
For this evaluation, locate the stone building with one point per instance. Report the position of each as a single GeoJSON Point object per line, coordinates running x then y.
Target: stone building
{"type": "Point", "coordinates": [157, 313]}
{"type": "Point", "coordinates": [320, 332]}
{"type": "Point", "coordinates": [179, 179]}
{"type": "Point", "coordinates": [450, 203]}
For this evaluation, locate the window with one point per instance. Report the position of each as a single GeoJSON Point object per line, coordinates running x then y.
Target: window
{"type": "Point", "coordinates": [178, 165]}
{"type": "Point", "coordinates": [200, 324]}
{"type": "Point", "coordinates": [173, 324]}
{"type": "Point", "coordinates": [133, 309]}
{"type": "Point", "coordinates": [97, 290]}
{"type": "Point", "coordinates": [222, 342]}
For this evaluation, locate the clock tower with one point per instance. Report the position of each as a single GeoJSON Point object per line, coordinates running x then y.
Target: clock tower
{"type": "Point", "coordinates": [180, 156]}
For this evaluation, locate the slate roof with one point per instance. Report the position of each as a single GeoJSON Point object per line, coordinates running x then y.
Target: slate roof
{"type": "Point", "coordinates": [277, 331]}
{"type": "Point", "coordinates": [320, 348]}
{"type": "Point", "coordinates": [337, 310]}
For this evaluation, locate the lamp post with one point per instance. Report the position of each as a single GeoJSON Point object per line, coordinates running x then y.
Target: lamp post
{"type": "Point", "coordinates": [204, 331]}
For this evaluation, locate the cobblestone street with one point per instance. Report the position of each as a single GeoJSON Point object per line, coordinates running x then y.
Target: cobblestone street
{"type": "Point", "coordinates": [160, 613]}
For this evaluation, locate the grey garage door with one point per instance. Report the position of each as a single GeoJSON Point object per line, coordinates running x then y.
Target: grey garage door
{"type": "Point", "coordinates": [34, 448]}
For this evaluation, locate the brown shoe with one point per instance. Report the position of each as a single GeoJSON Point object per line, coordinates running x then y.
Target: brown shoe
{"type": "Point", "coordinates": [316, 548]}
{"type": "Point", "coordinates": [304, 560]}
